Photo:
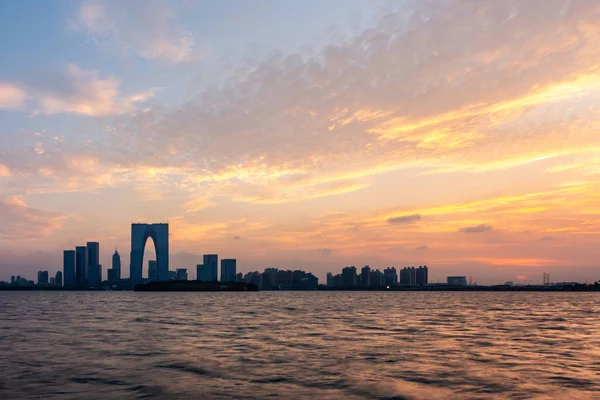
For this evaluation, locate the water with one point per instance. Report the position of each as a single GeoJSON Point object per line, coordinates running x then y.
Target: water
{"type": "Point", "coordinates": [299, 345]}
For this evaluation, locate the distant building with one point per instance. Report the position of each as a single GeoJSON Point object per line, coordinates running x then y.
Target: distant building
{"type": "Point", "coordinates": [93, 269]}
{"type": "Point", "coordinates": [58, 278]}
{"type": "Point", "coordinates": [13, 281]}
{"type": "Point", "coordinates": [285, 278]}
{"type": "Point", "coordinates": [228, 270]}
{"type": "Point", "coordinates": [408, 276]}
{"type": "Point", "coordinates": [81, 263]}
{"type": "Point", "coordinates": [211, 263]}
{"type": "Point", "coordinates": [377, 278]}
{"type": "Point", "coordinates": [52, 280]}
{"type": "Point", "coordinates": [390, 276]}
{"type": "Point", "coordinates": [115, 274]}
{"type": "Point", "coordinates": [254, 277]}
{"type": "Point", "coordinates": [152, 270]}
{"type": "Point", "coordinates": [172, 275]}
{"type": "Point", "coordinates": [422, 275]}
{"type": "Point", "coordinates": [349, 276]}
{"type": "Point", "coordinates": [269, 279]}
{"type": "Point", "coordinates": [457, 280]}
{"type": "Point", "coordinates": [69, 267]}
{"type": "Point", "coordinates": [239, 277]}
{"type": "Point", "coordinates": [330, 279]}
{"type": "Point", "coordinates": [95, 275]}
{"type": "Point", "coordinates": [204, 273]}
{"type": "Point", "coordinates": [42, 277]}
{"type": "Point", "coordinates": [365, 276]}
{"type": "Point", "coordinates": [182, 274]}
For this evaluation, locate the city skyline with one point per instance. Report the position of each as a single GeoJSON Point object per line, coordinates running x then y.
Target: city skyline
{"type": "Point", "coordinates": [309, 136]}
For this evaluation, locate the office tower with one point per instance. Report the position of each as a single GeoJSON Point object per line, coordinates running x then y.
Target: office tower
{"type": "Point", "coordinates": [182, 274]}
{"type": "Point", "coordinates": [12, 280]}
{"type": "Point", "coordinates": [254, 278]}
{"type": "Point", "coordinates": [81, 262]}
{"type": "Point", "coordinates": [390, 276]}
{"type": "Point", "coordinates": [94, 275]}
{"type": "Point", "coordinates": [239, 277]}
{"type": "Point", "coordinates": [42, 277]}
{"type": "Point", "coordinates": [69, 267]}
{"type": "Point", "coordinates": [269, 278]}
{"type": "Point", "coordinates": [422, 277]}
{"type": "Point", "coordinates": [200, 273]}
{"type": "Point", "coordinates": [228, 270]}
{"type": "Point", "coordinates": [152, 270]}
{"type": "Point", "coordinates": [116, 265]}
{"type": "Point", "coordinates": [172, 275]}
{"type": "Point", "coordinates": [349, 276]}
{"type": "Point", "coordinates": [52, 280]}
{"type": "Point", "coordinates": [457, 280]}
{"type": "Point", "coordinates": [365, 276]}
{"type": "Point", "coordinates": [329, 279]}
{"type": "Point", "coordinates": [159, 233]}
{"type": "Point", "coordinates": [58, 278]}
{"type": "Point", "coordinates": [285, 278]}
{"type": "Point", "coordinates": [211, 262]}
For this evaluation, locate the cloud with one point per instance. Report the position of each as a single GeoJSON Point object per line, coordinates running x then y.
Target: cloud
{"type": "Point", "coordinates": [477, 229]}
{"type": "Point", "coordinates": [148, 29]}
{"type": "Point", "coordinates": [422, 248]}
{"type": "Point", "coordinates": [404, 219]}
{"type": "Point", "coordinates": [83, 92]}
{"type": "Point", "coordinates": [548, 238]}
{"type": "Point", "coordinates": [11, 96]}
{"type": "Point", "coordinates": [236, 237]}
{"type": "Point", "coordinates": [21, 222]}
{"type": "Point", "coordinates": [325, 251]}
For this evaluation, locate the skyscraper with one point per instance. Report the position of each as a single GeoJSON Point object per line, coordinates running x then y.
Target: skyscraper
{"type": "Point", "coordinates": [152, 270]}
{"type": "Point", "coordinates": [211, 262]}
{"type": "Point", "coordinates": [81, 262]}
{"type": "Point", "coordinates": [42, 277]}
{"type": "Point", "coordinates": [422, 275]}
{"type": "Point", "coordinates": [140, 233]}
{"type": "Point", "coordinates": [408, 276]}
{"type": "Point", "coordinates": [94, 270]}
{"type": "Point", "coordinates": [116, 265]}
{"type": "Point", "coordinates": [228, 270]}
{"type": "Point", "coordinates": [58, 278]}
{"type": "Point", "coordinates": [349, 276]}
{"type": "Point", "coordinates": [390, 276]}
{"type": "Point", "coordinates": [69, 267]}
{"type": "Point", "coordinates": [365, 276]}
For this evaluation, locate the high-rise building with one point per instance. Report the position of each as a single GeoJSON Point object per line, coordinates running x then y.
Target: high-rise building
{"type": "Point", "coordinates": [390, 276]}
{"type": "Point", "coordinates": [69, 267]}
{"type": "Point", "coordinates": [140, 233]}
{"type": "Point", "coordinates": [182, 274]}
{"type": "Point", "coordinates": [211, 263]}
{"type": "Point", "coordinates": [58, 278]}
{"type": "Point", "coordinates": [269, 278]}
{"type": "Point", "coordinates": [81, 262]}
{"type": "Point", "coordinates": [116, 265]}
{"type": "Point", "coordinates": [172, 275]}
{"type": "Point", "coordinates": [94, 270]}
{"type": "Point", "coordinates": [376, 278]}
{"type": "Point", "coordinates": [422, 275]}
{"type": "Point", "coordinates": [94, 275]}
{"type": "Point", "coordinates": [330, 279]}
{"type": "Point", "coordinates": [285, 278]}
{"type": "Point", "coordinates": [152, 270]}
{"type": "Point", "coordinates": [349, 276]}
{"type": "Point", "coordinates": [42, 277]}
{"type": "Point", "coordinates": [239, 277]}
{"type": "Point", "coordinates": [52, 281]}
{"type": "Point", "coordinates": [12, 280]}
{"type": "Point", "coordinates": [228, 270]}
{"type": "Point", "coordinates": [365, 276]}
{"type": "Point", "coordinates": [254, 277]}
{"type": "Point", "coordinates": [408, 276]}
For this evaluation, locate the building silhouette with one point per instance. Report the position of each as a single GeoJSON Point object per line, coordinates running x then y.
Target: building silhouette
{"type": "Point", "coordinates": [81, 262]}
{"type": "Point", "coordinates": [377, 278]}
{"type": "Point", "coordinates": [182, 274]}
{"type": "Point", "coordinates": [228, 270]}
{"type": "Point", "coordinates": [58, 278]}
{"type": "Point", "coordinates": [408, 276]}
{"type": "Point", "coordinates": [69, 267]}
{"type": "Point", "coordinates": [390, 276]}
{"type": "Point", "coordinates": [270, 279]}
{"type": "Point", "coordinates": [152, 270]}
{"type": "Point", "coordinates": [349, 276]}
{"type": "Point", "coordinates": [457, 280]}
{"type": "Point", "coordinates": [114, 273]}
{"type": "Point", "coordinates": [140, 233]}
{"type": "Point", "coordinates": [239, 277]}
{"type": "Point", "coordinates": [94, 270]}
{"type": "Point", "coordinates": [211, 265]}
{"type": "Point", "coordinates": [365, 276]}
{"type": "Point", "coordinates": [42, 277]}
{"type": "Point", "coordinates": [422, 275]}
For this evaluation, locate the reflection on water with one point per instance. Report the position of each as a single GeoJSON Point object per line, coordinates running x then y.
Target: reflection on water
{"type": "Point", "coordinates": [326, 345]}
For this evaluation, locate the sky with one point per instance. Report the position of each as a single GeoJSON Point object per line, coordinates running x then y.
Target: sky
{"type": "Point", "coordinates": [463, 135]}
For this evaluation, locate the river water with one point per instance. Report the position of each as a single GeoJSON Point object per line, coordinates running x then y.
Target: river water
{"type": "Point", "coordinates": [299, 345]}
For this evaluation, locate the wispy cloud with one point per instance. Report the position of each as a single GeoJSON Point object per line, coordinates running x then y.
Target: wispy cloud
{"type": "Point", "coordinates": [404, 219]}
{"type": "Point", "coordinates": [477, 229]}
{"type": "Point", "coordinates": [149, 28]}
{"type": "Point", "coordinates": [11, 96]}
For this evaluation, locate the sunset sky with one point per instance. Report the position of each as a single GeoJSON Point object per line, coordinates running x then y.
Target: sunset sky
{"type": "Point", "coordinates": [310, 134]}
